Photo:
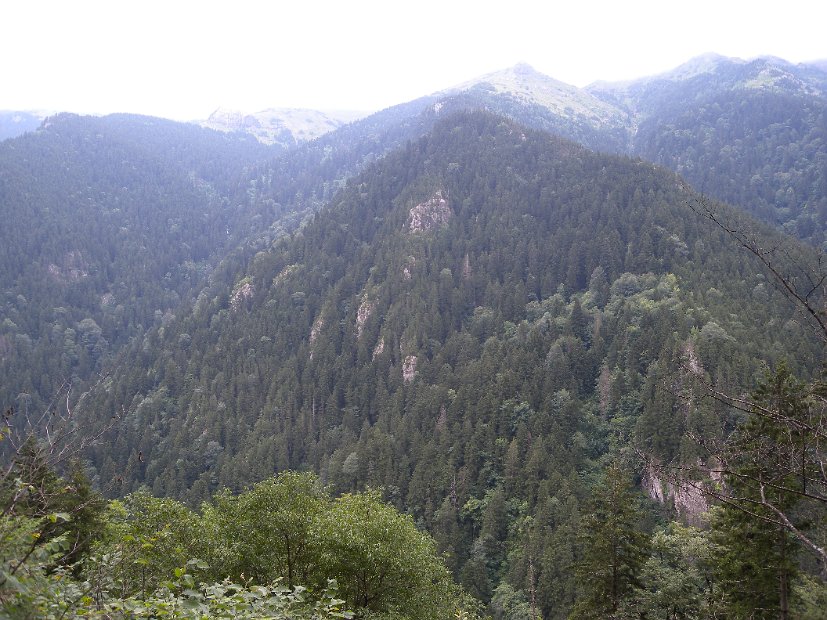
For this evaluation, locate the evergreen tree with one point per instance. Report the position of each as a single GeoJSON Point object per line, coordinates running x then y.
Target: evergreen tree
{"type": "Point", "coordinates": [767, 475]}
{"type": "Point", "coordinates": [614, 548]}
{"type": "Point", "coordinates": [65, 507]}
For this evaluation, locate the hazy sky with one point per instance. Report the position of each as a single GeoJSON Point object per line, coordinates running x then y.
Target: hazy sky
{"type": "Point", "coordinates": [182, 59]}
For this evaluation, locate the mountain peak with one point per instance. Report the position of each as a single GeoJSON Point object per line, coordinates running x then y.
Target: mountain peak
{"type": "Point", "coordinates": [524, 83]}
{"type": "Point", "coordinates": [699, 65]}
{"type": "Point", "coordinates": [521, 74]}
{"type": "Point", "coordinates": [524, 68]}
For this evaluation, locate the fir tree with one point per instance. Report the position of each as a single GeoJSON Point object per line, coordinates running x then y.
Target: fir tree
{"type": "Point", "coordinates": [614, 548]}
{"type": "Point", "coordinates": [767, 476]}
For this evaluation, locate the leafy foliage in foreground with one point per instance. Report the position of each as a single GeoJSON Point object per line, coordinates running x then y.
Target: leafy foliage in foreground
{"type": "Point", "coordinates": [242, 556]}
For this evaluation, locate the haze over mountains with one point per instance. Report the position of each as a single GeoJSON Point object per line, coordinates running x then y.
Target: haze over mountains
{"type": "Point", "coordinates": [285, 126]}
{"type": "Point", "coordinates": [715, 120]}
{"type": "Point", "coordinates": [476, 300]}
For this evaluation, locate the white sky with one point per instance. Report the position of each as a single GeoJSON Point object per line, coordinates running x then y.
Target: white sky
{"type": "Point", "coordinates": [182, 59]}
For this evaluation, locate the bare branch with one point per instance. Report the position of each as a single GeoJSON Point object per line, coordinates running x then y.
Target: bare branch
{"type": "Point", "coordinates": [806, 541]}
{"type": "Point", "coordinates": [815, 274]}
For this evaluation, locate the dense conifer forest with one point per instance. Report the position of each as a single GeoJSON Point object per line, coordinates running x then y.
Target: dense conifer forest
{"type": "Point", "coordinates": [440, 363]}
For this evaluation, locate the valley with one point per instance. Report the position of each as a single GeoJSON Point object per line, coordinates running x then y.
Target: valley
{"type": "Point", "coordinates": [567, 343]}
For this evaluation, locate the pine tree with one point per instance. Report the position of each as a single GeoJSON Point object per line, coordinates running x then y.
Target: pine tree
{"type": "Point", "coordinates": [767, 476]}
{"type": "Point", "coordinates": [614, 548]}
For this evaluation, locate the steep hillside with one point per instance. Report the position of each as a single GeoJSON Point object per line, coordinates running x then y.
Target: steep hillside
{"type": "Point", "coordinates": [475, 324]}
{"type": "Point", "coordinates": [108, 223]}
{"type": "Point", "coordinates": [751, 133]}
{"type": "Point", "coordinates": [112, 221]}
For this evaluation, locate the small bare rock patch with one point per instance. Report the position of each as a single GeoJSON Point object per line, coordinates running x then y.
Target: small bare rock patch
{"type": "Point", "coordinates": [244, 291]}
{"type": "Point", "coordinates": [379, 348]}
{"type": "Point", "coordinates": [315, 329]}
{"type": "Point", "coordinates": [72, 268]}
{"type": "Point", "coordinates": [430, 214]}
{"type": "Point", "coordinates": [686, 496]}
{"type": "Point", "coordinates": [409, 368]}
{"type": "Point", "coordinates": [366, 308]}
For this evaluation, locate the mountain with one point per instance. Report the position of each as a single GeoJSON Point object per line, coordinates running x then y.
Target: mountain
{"type": "Point", "coordinates": [540, 101]}
{"type": "Point", "coordinates": [758, 147]}
{"type": "Point", "coordinates": [86, 200]}
{"type": "Point", "coordinates": [525, 94]}
{"type": "Point", "coordinates": [13, 124]}
{"type": "Point", "coordinates": [708, 75]}
{"type": "Point", "coordinates": [109, 222]}
{"type": "Point", "coordinates": [751, 133]}
{"type": "Point", "coordinates": [748, 132]}
{"type": "Point", "coordinates": [452, 300]}
{"type": "Point", "coordinates": [524, 83]}
{"type": "Point", "coordinates": [282, 126]}
{"type": "Point", "coordinates": [473, 324]}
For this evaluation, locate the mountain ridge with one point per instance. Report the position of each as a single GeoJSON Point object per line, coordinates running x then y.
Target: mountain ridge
{"type": "Point", "coordinates": [525, 83]}
{"type": "Point", "coordinates": [358, 283]}
{"type": "Point", "coordinates": [283, 126]}
{"type": "Point", "coordinates": [476, 323]}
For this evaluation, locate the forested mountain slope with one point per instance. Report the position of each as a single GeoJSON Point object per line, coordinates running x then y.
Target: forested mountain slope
{"type": "Point", "coordinates": [751, 133]}
{"type": "Point", "coordinates": [111, 221]}
{"type": "Point", "coordinates": [476, 323]}
{"type": "Point", "coordinates": [107, 223]}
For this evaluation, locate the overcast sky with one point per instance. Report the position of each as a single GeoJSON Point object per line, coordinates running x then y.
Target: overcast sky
{"type": "Point", "coordinates": [182, 59]}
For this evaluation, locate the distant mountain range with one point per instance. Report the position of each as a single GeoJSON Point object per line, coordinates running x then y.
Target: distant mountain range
{"type": "Point", "coordinates": [605, 106]}
{"type": "Point", "coordinates": [283, 126]}
{"type": "Point", "coordinates": [750, 132]}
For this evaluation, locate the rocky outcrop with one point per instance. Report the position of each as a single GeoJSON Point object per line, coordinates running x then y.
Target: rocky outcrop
{"type": "Point", "coordinates": [409, 368]}
{"type": "Point", "coordinates": [466, 267]}
{"type": "Point", "coordinates": [284, 274]}
{"type": "Point", "coordinates": [407, 270]}
{"type": "Point", "coordinates": [695, 366]}
{"type": "Point", "coordinates": [366, 308]}
{"type": "Point", "coordinates": [685, 495]}
{"type": "Point", "coordinates": [72, 268]}
{"type": "Point", "coordinates": [315, 329]}
{"type": "Point", "coordinates": [242, 292]}
{"type": "Point", "coordinates": [430, 214]}
{"type": "Point", "coordinates": [379, 348]}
